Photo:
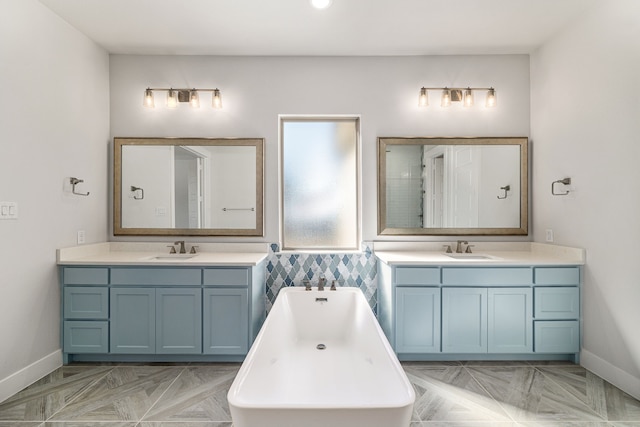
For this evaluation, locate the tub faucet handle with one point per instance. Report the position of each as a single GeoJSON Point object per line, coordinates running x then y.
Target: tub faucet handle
{"type": "Point", "coordinates": [307, 285]}
{"type": "Point", "coordinates": [333, 285]}
{"type": "Point", "coordinates": [172, 250]}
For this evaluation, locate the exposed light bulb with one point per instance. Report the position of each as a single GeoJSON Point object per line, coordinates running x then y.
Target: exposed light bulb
{"type": "Point", "coordinates": [172, 99]}
{"type": "Point", "coordinates": [423, 99]}
{"type": "Point", "coordinates": [194, 99]}
{"type": "Point", "coordinates": [321, 4]}
{"type": "Point", "coordinates": [491, 98]}
{"type": "Point", "coordinates": [216, 101]}
{"type": "Point", "coordinates": [467, 98]}
{"type": "Point", "coordinates": [148, 99]}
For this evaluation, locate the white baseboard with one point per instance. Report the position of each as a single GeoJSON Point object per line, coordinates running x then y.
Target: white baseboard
{"type": "Point", "coordinates": [616, 376]}
{"type": "Point", "coordinates": [29, 374]}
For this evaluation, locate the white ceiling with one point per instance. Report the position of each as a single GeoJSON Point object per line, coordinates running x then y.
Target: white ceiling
{"type": "Point", "coordinates": [293, 27]}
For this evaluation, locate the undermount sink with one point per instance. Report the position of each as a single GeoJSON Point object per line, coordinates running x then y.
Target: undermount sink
{"type": "Point", "coordinates": [171, 257]}
{"type": "Point", "coordinates": [470, 256]}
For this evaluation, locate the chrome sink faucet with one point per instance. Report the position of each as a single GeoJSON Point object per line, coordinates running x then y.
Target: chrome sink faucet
{"type": "Point", "coordinates": [321, 283]}
{"type": "Point", "coordinates": [459, 246]}
{"type": "Point", "coordinates": [182, 248]}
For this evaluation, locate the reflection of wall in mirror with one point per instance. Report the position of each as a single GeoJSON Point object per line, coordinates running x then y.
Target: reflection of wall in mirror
{"type": "Point", "coordinates": [150, 168]}
{"type": "Point", "coordinates": [232, 186]}
{"type": "Point", "coordinates": [500, 167]}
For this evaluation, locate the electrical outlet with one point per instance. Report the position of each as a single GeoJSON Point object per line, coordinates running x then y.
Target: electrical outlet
{"type": "Point", "coordinates": [549, 235]}
{"type": "Point", "coordinates": [80, 237]}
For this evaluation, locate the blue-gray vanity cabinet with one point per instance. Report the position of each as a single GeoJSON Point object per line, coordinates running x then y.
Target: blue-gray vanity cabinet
{"type": "Point", "coordinates": [557, 310]}
{"type": "Point", "coordinates": [487, 310]}
{"type": "Point", "coordinates": [144, 313]}
{"type": "Point", "coordinates": [156, 321]}
{"type": "Point", "coordinates": [226, 321]}
{"type": "Point", "coordinates": [178, 321]}
{"type": "Point", "coordinates": [487, 320]}
{"type": "Point", "coordinates": [430, 312]}
{"type": "Point", "coordinates": [133, 320]}
{"type": "Point", "coordinates": [464, 320]}
{"type": "Point", "coordinates": [85, 326]}
{"type": "Point", "coordinates": [510, 320]}
{"type": "Point", "coordinates": [417, 320]}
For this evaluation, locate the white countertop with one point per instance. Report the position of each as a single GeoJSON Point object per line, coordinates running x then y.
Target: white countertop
{"type": "Point", "coordinates": [498, 254]}
{"type": "Point", "coordinates": [133, 253]}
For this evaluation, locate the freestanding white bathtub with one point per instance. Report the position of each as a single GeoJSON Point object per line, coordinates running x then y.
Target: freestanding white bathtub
{"type": "Point", "coordinates": [320, 360]}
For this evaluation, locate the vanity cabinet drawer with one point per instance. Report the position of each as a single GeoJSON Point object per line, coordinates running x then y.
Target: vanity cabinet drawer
{"type": "Point", "coordinates": [417, 276]}
{"type": "Point", "coordinates": [559, 336]}
{"type": "Point", "coordinates": [557, 303]}
{"type": "Point", "coordinates": [557, 276]}
{"type": "Point", "coordinates": [156, 276]}
{"type": "Point", "coordinates": [86, 336]}
{"type": "Point", "coordinates": [85, 276]}
{"type": "Point", "coordinates": [86, 302]}
{"type": "Point", "coordinates": [512, 276]}
{"type": "Point", "coordinates": [226, 277]}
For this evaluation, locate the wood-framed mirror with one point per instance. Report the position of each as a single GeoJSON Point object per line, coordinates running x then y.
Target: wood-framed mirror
{"type": "Point", "coordinates": [453, 186]}
{"type": "Point", "coordinates": [188, 186]}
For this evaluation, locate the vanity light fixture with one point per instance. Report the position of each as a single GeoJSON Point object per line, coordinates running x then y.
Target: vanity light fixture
{"type": "Point", "coordinates": [176, 96]}
{"type": "Point", "coordinates": [172, 99]}
{"type": "Point", "coordinates": [423, 99]}
{"type": "Point", "coordinates": [457, 94]}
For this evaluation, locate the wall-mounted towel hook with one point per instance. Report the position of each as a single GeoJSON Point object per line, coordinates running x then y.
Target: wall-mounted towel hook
{"type": "Point", "coordinates": [135, 189]}
{"type": "Point", "coordinates": [74, 182]}
{"type": "Point", "coordinates": [565, 181]}
{"type": "Point", "coordinates": [505, 188]}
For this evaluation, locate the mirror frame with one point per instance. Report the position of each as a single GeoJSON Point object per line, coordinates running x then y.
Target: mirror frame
{"type": "Point", "coordinates": [118, 230]}
{"type": "Point", "coordinates": [383, 142]}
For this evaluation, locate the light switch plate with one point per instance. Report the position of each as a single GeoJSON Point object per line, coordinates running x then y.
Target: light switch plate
{"type": "Point", "coordinates": [80, 237]}
{"type": "Point", "coordinates": [8, 210]}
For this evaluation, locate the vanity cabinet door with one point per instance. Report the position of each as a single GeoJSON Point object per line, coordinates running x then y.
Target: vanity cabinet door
{"type": "Point", "coordinates": [510, 322]}
{"type": "Point", "coordinates": [85, 336]}
{"type": "Point", "coordinates": [464, 320]}
{"type": "Point", "coordinates": [417, 328]}
{"type": "Point", "coordinates": [226, 321]}
{"type": "Point", "coordinates": [133, 320]}
{"type": "Point", "coordinates": [178, 321]}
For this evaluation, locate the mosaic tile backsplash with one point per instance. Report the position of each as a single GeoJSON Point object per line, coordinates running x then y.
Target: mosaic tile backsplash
{"type": "Point", "coordinates": [350, 269]}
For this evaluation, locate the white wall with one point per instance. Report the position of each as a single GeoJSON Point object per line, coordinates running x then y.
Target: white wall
{"type": "Point", "coordinates": [383, 90]}
{"type": "Point", "coordinates": [55, 113]}
{"type": "Point", "coordinates": [585, 125]}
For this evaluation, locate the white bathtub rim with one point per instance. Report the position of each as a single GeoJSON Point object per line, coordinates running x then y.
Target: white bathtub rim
{"type": "Point", "coordinates": [234, 400]}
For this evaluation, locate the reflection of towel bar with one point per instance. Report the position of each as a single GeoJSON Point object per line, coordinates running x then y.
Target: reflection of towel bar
{"type": "Point", "coordinates": [238, 209]}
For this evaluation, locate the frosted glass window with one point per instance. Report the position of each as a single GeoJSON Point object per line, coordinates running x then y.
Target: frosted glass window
{"type": "Point", "coordinates": [320, 194]}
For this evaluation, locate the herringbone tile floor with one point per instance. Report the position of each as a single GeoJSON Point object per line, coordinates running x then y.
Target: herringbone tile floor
{"type": "Point", "coordinates": [448, 394]}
